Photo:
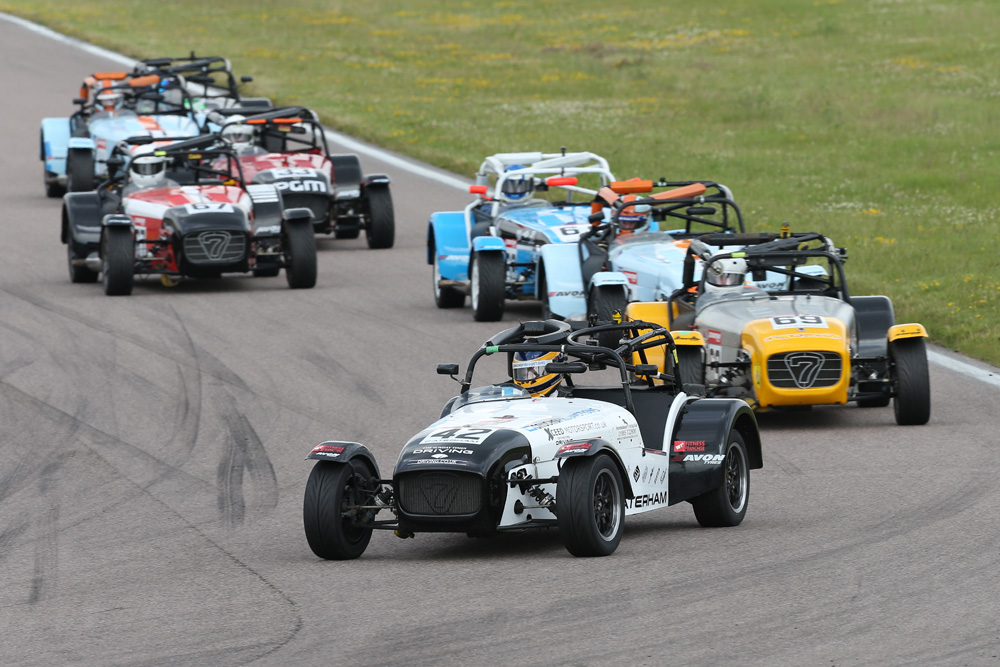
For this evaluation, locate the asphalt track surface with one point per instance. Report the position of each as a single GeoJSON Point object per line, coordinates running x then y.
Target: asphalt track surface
{"type": "Point", "coordinates": [151, 479]}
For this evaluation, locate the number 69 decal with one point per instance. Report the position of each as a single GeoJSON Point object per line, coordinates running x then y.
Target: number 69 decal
{"type": "Point", "coordinates": [798, 321]}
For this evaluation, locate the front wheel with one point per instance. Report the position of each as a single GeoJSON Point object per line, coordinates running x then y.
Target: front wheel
{"type": "Point", "coordinates": [332, 530]}
{"type": "Point", "coordinates": [590, 504]}
{"type": "Point", "coordinates": [912, 403]}
{"type": "Point", "coordinates": [487, 278]}
{"type": "Point", "coordinates": [300, 256]}
{"type": "Point", "coordinates": [117, 261]}
{"type": "Point", "coordinates": [726, 505]}
{"type": "Point", "coordinates": [80, 170]}
{"type": "Point", "coordinates": [604, 301]}
{"type": "Point", "coordinates": [381, 227]}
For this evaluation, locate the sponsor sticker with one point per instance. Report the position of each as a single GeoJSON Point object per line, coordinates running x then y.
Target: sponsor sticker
{"type": "Point", "coordinates": [689, 445]}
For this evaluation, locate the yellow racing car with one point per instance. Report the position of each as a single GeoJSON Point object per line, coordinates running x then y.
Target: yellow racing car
{"type": "Point", "coordinates": [809, 342]}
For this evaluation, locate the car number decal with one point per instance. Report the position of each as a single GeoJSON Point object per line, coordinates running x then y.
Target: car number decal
{"type": "Point", "coordinates": [201, 208]}
{"type": "Point", "coordinates": [798, 321]}
{"type": "Point", "coordinates": [572, 230]}
{"type": "Point", "coordinates": [465, 435]}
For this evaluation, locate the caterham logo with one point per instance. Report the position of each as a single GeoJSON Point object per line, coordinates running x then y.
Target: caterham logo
{"type": "Point", "coordinates": [804, 367]}
{"type": "Point", "coordinates": [214, 244]}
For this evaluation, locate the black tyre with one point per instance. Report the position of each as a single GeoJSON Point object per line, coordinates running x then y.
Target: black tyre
{"type": "Point", "coordinates": [117, 261]}
{"type": "Point", "coordinates": [603, 302]}
{"type": "Point", "coordinates": [80, 171]}
{"type": "Point", "coordinates": [331, 530]}
{"type": "Point", "coordinates": [444, 297]}
{"type": "Point", "coordinates": [78, 274]}
{"type": "Point", "coordinates": [726, 505]}
{"type": "Point", "coordinates": [912, 403]}
{"type": "Point", "coordinates": [381, 227]}
{"type": "Point", "coordinates": [54, 190]}
{"type": "Point", "coordinates": [300, 256]}
{"type": "Point", "coordinates": [689, 369]}
{"type": "Point", "coordinates": [487, 285]}
{"type": "Point", "coordinates": [591, 505]}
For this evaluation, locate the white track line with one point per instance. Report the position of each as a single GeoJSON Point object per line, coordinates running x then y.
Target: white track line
{"type": "Point", "coordinates": [988, 376]}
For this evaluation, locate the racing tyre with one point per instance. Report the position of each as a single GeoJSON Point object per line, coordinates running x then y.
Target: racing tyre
{"type": "Point", "coordinates": [330, 488]}
{"type": "Point", "coordinates": [726, 505]}
{"type": "Point", "coordinates": [444, 297]}
{"type": "Point", "coordinates": [300, 256]}
{"type": "Point", "coordinates": [78, 274]}
{"type": "Point", "coordinates": [604, 301]}
{"type": "Point", "coordinates": [117, 261]}
{"type": "Point", "coordinates": [689, 365]}
{"type": "Point", "coordinates": [381, 227]}
{"type": "Point", "coordinates": [487, 277]}
{"type": "Point", "coordinates": [591, 505]}
{"type": "Point", "coordinates": [80, 171]}
{"type": "Point", "coordinates": [912, 403]}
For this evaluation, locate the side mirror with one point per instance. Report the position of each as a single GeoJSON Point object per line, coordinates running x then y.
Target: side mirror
{"type": "Point", "coordinates": [114, 162]}
{"type": "Point", "coordinates": [246, 79]}
{"type": "Point", "coordinates": [447, 369]}
{"type": "Point", "coordinates": [80, 100]}
{"type": "Point", "coordinates": [646, 369]}
{"type": "Point", "coordinates": [701, 210]}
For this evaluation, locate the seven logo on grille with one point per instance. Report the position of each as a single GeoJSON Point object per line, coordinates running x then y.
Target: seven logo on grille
{"type": "Point", "coordinates": [804, 367]}
{"type": "Point", "coordinates": [214, 244]}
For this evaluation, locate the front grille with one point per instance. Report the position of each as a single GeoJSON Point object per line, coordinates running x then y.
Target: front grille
{"type": "Point", "coordinates": [440, 493]}
{"type": "Point", "coordinates": [804, 370]}
{"type": "Point", "coordinates": [318, 204]}
{"type": "Point", "coordinates": [215, 247]}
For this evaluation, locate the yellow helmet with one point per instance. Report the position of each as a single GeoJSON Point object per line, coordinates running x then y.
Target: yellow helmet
{"type": "Point", "coordinates": [528, 371]}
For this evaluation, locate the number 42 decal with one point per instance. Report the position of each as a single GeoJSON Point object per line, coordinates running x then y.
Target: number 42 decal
{"type": "Point", "coordinates": [798, 321]}
{"type": "Point", "coordinates": [466, 435]}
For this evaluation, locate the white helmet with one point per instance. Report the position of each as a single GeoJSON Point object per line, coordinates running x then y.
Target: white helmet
{"type": "Point", "coordinates": [725, 275]}
{"type": "Point", "coordinates": [146, 169]}
{"type": "Point", "coordinates": [109, 99]}
{"type": "Point", "coordinates": [236, 134]}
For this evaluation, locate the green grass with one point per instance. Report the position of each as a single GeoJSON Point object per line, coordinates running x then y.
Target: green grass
{"type": "Point", "coordinates": [873, 121]}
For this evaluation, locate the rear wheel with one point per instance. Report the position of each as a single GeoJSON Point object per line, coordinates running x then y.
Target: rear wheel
{"type": "Point", "coordinates": [444, 297]}
{"type": "Point", "coordinates": [80, 170]}
{"type": "Point", "coordinates": [117, 261]}
{"type": "Point", "coordinates": [912, 403]}
{"type": "Point", "coordinates": [381, 227]}
{"type": "Point", "coordinates": [300, 256]}
{"type": "Point", "coordinates": [487, 278]}
{"type": "Point", "coordinates": [726, 505]}
{"type": "Point", "coordinates": [591, 505]}
{"type": "Point", "coordinates": [604, 301]}
{"type": "Point", "coordinates": [78, 274]}
{"type": "Point", "coordinates": [333, 531]}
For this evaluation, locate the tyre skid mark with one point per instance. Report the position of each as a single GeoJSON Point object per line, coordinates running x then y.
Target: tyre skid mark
{"type": "Point", "coordinates": [244, 453]}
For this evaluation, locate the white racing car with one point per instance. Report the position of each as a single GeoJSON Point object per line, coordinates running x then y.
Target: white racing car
{"type": "Point", "coordinates": [544, 450]}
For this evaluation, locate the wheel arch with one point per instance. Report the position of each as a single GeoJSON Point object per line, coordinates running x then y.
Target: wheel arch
{"type": "Point", "coordinates": [340, 451]}
{"type": "Point", "coordinates": [593, 448]}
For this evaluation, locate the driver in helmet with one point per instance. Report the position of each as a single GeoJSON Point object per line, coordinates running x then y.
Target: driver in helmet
{"type": "Point", "coordinates": [109, 100]}
{"type": "Point", "coordinates": [517, 188]}
{"type": "Point", "coordinates": [240, 136]}
{"type": "Point", "coordinates": [528, 371]}
{"type": "Point", "coordinates": [147, 171]}
{"type": "Point", "coordinates": [725, 276]}
{"type": "Point", "coordinates": [633, 218]}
